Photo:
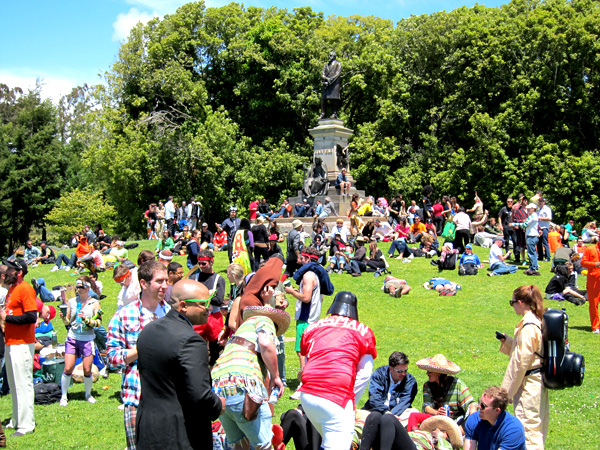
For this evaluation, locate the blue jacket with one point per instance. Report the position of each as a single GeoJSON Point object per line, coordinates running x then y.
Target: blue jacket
{"type": "Point", "coordinates": [327, 287]}
{"type": "Point", "coordinates": [401, 399]}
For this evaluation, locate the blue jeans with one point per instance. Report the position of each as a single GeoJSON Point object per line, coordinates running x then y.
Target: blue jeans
{"type": "Point", "coordinates": [280, 213]}
{"type": "Point", "coordinates": [544, 245]}
{"type": "Point", "coordinates": [300, 211]}
{"type": "Point", "coordinates": [532, 252]}
{"type": "Point", "coordinates": [236, 427]}
{"type": "Point", "coordinates": [400, 245]}
{"type": "Point", "coordinates": [69, 261]}
{"type": "Point", "coordinates": [336, 260]}
{"type": "Point", "coordinates": [503, 269]}
{"type": "Point", "coordinates": [356, 267]}
{"type": "Point", "coordinates": [44, 293]}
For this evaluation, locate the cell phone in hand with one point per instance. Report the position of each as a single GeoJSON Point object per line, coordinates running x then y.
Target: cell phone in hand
{"type": "Point", "coordinates": [500, 336]}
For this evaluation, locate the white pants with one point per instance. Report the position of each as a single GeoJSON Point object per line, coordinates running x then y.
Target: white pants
{"type": "Point", "coordinates": [334, 423]}
{"type": "Point", "coordinates": [19, 371]}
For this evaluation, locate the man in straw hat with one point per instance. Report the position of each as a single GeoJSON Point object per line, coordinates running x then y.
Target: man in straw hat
{"type": "Point", "coordinates": [237, 375]}
{"type": "Point", "coordinates": [340, 352]}
{"type": "Point", "coordinates": [443, 390]}
{"type": "Point", "coordinates": [178, 404]}
{"type": "Point", "coordinates": [492, 427]}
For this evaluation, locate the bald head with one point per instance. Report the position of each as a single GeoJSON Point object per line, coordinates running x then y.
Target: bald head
{"type": "Point", "coordinates": [185, 293]}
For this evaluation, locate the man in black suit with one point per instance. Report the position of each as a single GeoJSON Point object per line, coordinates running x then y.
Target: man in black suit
{"type": "Point", "coordinates": [177, 403]}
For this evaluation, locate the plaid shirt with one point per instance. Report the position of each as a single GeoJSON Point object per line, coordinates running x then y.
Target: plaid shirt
{"type": "Point", "coordinates": [123, 331]}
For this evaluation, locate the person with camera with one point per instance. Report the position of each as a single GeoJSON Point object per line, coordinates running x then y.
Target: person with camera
{"type": "Point", "coordinates": [523, 377]}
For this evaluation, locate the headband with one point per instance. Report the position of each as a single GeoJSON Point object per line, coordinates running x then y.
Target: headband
{"type": "Point", "coordinates": [205, 258]}
{"type": "Point", "coordinates": [83, 283]}
{"type": "Point", "coordinates": [308, 255]}
{"type": "Point", "coordinates": [122, 277]}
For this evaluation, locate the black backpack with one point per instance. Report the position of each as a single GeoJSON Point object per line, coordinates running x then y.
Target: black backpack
{"type": "Point", "coordinates": [562, 368]}
{"type": "Point", "coordinates": [449, 262]}
{"type": "Point", "coordinates": [46, 393]}
{"type": "Point", "coordinates": [467, 269]}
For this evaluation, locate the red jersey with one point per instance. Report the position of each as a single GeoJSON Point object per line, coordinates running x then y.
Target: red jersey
{"type": "Point", "coordinates": [20, 300]}
{"type": "Point", "coordinates": [333, 347]}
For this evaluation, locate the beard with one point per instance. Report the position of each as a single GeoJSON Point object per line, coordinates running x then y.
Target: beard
{"type": "Point", "coordinates": [10, 278]}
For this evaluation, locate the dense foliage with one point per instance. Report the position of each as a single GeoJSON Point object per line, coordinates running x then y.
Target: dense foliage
{"type": "Point", "coordinates": [216, 103]}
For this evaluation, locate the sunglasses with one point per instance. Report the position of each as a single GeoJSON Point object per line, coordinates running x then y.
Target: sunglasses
{"type": "Point", "coordinates": [81, 287]}
{"type": "Point", "coordinates": [512, 302]}
{"type": "Point", "coordinates": [205, 302]}
{"type": "Point", "coordinates": [400, 371]}
{"type": "Point", "coordinates": [483, 406]}
{"type": "Point", "coordinates": [203, 263]}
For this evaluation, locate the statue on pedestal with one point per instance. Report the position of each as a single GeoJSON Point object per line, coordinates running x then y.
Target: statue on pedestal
{"type": "Point", "coordinates": [316, 182]}
{"type": "Point", "coordinates": [330, 79]}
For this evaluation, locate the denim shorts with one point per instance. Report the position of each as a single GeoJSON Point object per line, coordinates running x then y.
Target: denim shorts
{"type": "Point", "coordinates": [236, 427]}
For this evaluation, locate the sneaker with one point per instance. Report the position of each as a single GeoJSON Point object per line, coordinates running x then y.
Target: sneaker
{"type": "Point", "coordinates": [491, 274]}
{"type": "Point", "coordinates": [67, 268]}
{"type": "Point", "coordinates": [339, 271]}
{"type": "Point", "coordinates": [63, 402]}
{"type": "Point", "coordinates": [458, 287]}
{"type": "Point", "coordinates": [525, 264]}
{"type": "Point", "coordinates": [406, 260]}
{"type": "Point", "coordinates": [411, 256]}
{"type": "Point", "coordinates": [91, 400]}
{"type": "Point", "coordinates": [296, 395]}
{"type": "Point", "coordinates": [54, 269]}
{"type": "Point", "coordinates": [399, 257]}
{"type": "Point", "coordinates": [34, 265]}
{"type": "Point", "coordinates": [597, 331]}
{"type": "Point", "coordinates": [34, 283]}
{"type": "Point", "coordinates": [121, 407]}
{"type": "Point", "coordinates": [329, 270]}
{"type": "Point", "coordinates": [103, 373]}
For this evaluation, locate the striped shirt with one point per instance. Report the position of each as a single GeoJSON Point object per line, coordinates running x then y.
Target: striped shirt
{"type": "Point", "coordinates": [237, 370]}
{"type": "Point", "coordinates": [123, 331]}
{"type": "Point", "coordinates": [458, 398]}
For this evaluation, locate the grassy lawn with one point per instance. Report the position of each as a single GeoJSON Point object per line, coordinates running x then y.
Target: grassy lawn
{"type": "Point", "coordinates": [420, 324]}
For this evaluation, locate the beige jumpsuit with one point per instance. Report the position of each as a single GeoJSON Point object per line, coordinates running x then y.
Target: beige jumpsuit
{"type": "Point", "coordinates": [528, 394]}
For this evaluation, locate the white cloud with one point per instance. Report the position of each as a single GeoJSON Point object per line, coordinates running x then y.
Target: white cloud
{"type": "Point", "coordinates": [126, 21]}
{"type": "Point", "coordinates": [53, 86]}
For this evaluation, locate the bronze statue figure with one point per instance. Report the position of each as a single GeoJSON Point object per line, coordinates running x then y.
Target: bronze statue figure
{"type": "Point", "coordinates": [330, 79]}
{"type": "Point", "coordinates": [316, 182]}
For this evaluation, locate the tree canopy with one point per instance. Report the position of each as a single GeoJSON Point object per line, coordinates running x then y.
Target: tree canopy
{"type": "Point", "coordinates": [216, 103]}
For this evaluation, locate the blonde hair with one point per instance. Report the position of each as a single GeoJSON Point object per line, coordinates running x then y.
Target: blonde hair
{"type": "Point", "coordinates": [236, 270]}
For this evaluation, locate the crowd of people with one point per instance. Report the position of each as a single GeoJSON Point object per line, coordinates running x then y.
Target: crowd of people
{"type": "Point", "coordinates": [191, 351]}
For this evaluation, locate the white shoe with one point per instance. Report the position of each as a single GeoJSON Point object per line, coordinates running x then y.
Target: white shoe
{"type": "Point", "coordinates": [296, 395]}
{"type": "Point", "coordinates": [398, 257]}
{"type": "Point", "coordinates": [121, 406]}
{"type": "Point", "coordinates": [103, 373]}
{"type": "Point", "coordinates": [63, 402]}
{"type": "Point", "coordinates": [91, 400]}
{"type": "Point", "coordinates": [406, 260]}
{"type": "Point", "coordinates": [411, 256]}
{"type": "Point", "coordinates": [67, 269]}
{"type": "Point", "coordinates": [596, 331]}
{"type": "Point", "coordinates": [54, 269]}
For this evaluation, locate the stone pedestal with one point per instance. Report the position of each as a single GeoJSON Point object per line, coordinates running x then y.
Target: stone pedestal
{"type": "Point", "coordinates": [331, 142]}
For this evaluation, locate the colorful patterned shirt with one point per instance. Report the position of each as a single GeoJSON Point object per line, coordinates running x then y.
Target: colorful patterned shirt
{"type": "Point", "coordinates": [458, 398]}
{"type": "Point", "coordinates": [123, 331]}
{"type": "Point", "coordinates": [237, 370]}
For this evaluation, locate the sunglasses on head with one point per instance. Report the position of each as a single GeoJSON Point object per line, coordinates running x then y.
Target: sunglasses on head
{"type": "Point", "coordinates": [204, 302]}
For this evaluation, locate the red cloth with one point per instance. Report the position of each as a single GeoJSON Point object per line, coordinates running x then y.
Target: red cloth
{"type": "Point", "coordinates": [211, 330]}
{"type": "Point", "coordinates": [590, 257]}
{"type": "Point", "coordinates": [253, 207]}
{"type": "Point", "coordinates": [334, 346]}
{"type": "Point", "coordinates": [416, 419]}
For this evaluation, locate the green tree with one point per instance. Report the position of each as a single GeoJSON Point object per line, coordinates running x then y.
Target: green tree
{"type": "Point", "coordinates": [31, 163]}
{"type": "Point", "coordinates": [77, 208]}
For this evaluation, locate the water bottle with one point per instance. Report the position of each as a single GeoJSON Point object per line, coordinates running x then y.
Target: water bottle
{"type": "Point", "coordinates": [78, 319]}
{"type": "Point", "coordinates": [274, 398]}
{"type": "Point", "coordinates": [54, 339]}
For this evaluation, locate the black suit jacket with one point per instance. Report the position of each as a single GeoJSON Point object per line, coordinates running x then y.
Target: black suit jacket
{"type": "Point", "coordinates": [177, 403]}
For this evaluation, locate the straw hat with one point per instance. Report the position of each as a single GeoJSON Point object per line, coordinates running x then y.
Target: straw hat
{"type": "Point", "coordinates": [438, 363]}
{"type": "Point", "coordinates": [280, 318]}
{"type": "Point", "coordinates": [296, 223]}
{"type": "Point", "coordinates": [445, 424]}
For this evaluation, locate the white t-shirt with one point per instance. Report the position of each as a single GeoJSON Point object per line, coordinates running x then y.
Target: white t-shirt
{"type": "Point", "coordinates": [495, 253]}
{"type": "Point", "coordinates": [545, 213]}
{"type": "Point", "coordinates": [462, 221]}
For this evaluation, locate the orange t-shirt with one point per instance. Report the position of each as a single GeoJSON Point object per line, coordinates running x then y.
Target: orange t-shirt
{"type": "Point", "coordinates": [20, 300]}
{"type": "Point", "coordinates": [554, 241]}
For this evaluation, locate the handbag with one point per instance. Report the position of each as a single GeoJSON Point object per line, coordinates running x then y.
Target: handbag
{"type": "Point", "coordinates": [250, 408]}
{"type": "Point", "coordinates": [449, 231]}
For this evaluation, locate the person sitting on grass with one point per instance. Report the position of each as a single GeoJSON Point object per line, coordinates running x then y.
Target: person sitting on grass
{"type": "Point", "coordinates": [448, 252]}
{"type": "Point", "coordinates": [443, 389]}
{"type": "Point", "coordinates": [396, 287]}
{"type": "Point", "coordinates": [93, 261]}
{"type": "Point", "coordinates": [443, 286]}
{"type": "Point", "coordinates": [469, 262]}
{"type": "Point", "coordinates": [497, 264]}
{"type": "Point", "coordinates": [166, 243]}
{"type": "Point", "coordinates": [46, 254]}
{"type": "Point", "coordinates": [32, 253]}
{"type": "Point", "coordinates": [357, 263]}
{"type": "Point", "coordinates": [561, 286]}
{"type": "Point", "coordinates": [337, 252]}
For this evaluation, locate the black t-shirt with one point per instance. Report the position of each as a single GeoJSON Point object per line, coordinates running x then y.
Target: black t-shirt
{"type": "Point", "coordinates": [396, 206]}
{"type": "Point", "coordinates": [260, 234]}
{"type": "Point", "coordinates": [556, 285]}
{"type": "Point", "coordinates": [206, 236]}
{"type": "Point", "coordinates": [505, 216]}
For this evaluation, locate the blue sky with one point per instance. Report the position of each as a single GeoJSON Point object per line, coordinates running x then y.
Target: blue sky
{"type": "Point", "coordinates": [66, 43]}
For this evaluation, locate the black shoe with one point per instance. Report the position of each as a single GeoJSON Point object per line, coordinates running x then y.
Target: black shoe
{"type": "Point", "coordinates": [35, 284]}
{"type": "Point", "coordinates": [527, 272]}
{"type": "Point", "coordinates": [102, 297]}
{"type": "Point", "coordinates": [535, 273]}
{"type": "Point", "coordinates": [56, 288]}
